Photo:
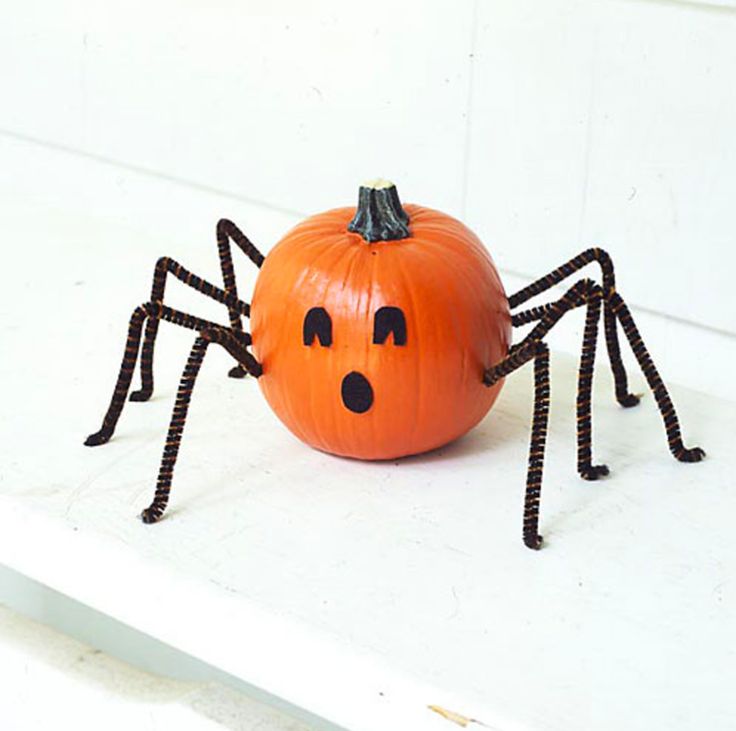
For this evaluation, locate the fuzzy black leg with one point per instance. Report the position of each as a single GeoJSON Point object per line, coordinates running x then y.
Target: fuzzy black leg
{"type": "Point", "coordinates": [585, 290]}
{"type": "Point", "coordinates": [532, 349]}
{"type": "Point", "coordinates": [164, 267]}
{"type": "Point", "coordinates": [153, 311]}
{"type": "Point", "coordinates": [661, 395]}
{"type": "Point", "coordinates": [234, 344]}
{"type": "Point", "coordinates": [227, 231]}
{"type": "Point", "coordinates": [587, 470]}
{"type": "Point", "coordinates": [620, 378]}
{"type": "Point", "coordinates": [623, 396]}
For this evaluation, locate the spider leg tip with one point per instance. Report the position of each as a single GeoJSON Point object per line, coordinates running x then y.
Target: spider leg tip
{"type": "Point", "coordinates": [99, 437]}
{"type": "Point", "coordinates": [533, 541]}
{"type": "Point", "coordinates": [140, 395]}
{"type": "Point", "coordinates": [594, 472]}
{"type": "Point", "coordinates": [694, 454]}
{"type": "Point", "coordinates": [630, 399]}
{"type": "Point", "coordinates": [151, 515]}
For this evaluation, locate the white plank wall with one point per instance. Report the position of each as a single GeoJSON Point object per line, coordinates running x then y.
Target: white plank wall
{"type": "Point", "coordinates": [549, 126]}
{"type": "Point", "coordinates": [610, 123]}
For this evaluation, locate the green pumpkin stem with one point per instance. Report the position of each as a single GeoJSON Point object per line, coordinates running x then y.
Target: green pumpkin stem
{"type": "Point", "coordinates": [380, 216]}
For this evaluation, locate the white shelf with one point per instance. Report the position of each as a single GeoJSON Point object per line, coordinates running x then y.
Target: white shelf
{"type": "Point", "coordinates": [361, 593]}
{"type": "Point", "coordinates": [47, 676]}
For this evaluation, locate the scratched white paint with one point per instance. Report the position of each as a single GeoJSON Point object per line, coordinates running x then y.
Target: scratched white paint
{"type": "Point", "coordinates": [46, 676]}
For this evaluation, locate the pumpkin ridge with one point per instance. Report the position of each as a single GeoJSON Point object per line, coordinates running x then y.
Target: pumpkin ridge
{"type": "Point", "coordinates": [343, 252]}
{"type": "Point", "coordinates": [417, 359]}
{"type": "Point", "coordinates": [352, 253]}
{"type": "Point", "coordinates": [284, 336]}
{"type": "Point", "coordinates": [462, 333]}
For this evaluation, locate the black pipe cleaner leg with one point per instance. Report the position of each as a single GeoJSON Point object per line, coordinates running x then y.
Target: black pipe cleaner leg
{"type": "Point", "coordinates": [227, 231]}
{"type": "Point", "coordinates": [623, 396]}
{"type": "Point", "coordinates": [524, 353]}
{"type": "Point", "coordinates": [586, 468]}
{"type": "Point", "coordinates": [149, 341]}
{"type": "Point", "coordinates": [155, 311]}
{"type": "Point", "coordinates": [165, 266]}
{"type": "Point", "coordinates": [661, 396]}
{"type": "Point", "coordinates": [585, 292]}
{"type": "Point", "coordinates": [125, 375]}
{"type": "Point", "coordinates": [234, 343]}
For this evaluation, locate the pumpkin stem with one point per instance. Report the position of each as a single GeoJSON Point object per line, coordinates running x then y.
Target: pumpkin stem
{"type": "Point", "coordinates": [379, 216]}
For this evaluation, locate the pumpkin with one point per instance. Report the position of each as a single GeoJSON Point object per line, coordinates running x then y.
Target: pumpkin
{"type": "Point", "coordinates": [373, 326]}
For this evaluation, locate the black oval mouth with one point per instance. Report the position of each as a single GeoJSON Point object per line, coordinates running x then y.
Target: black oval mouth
{"type": "Point", "coordinates": [357, 393]}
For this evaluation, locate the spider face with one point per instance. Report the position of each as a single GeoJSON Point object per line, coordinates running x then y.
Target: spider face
{"type": "Point", "coordinates": [355, 388]}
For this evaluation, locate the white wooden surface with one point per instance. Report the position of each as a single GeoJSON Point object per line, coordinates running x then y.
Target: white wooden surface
{"type": "Point", "coordinates": [47, 677]}
{"type": "Point", "coordinates": [361, 593]}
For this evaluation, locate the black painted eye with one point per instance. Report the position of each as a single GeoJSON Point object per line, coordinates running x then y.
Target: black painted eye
{"type": "Point", "coordinates": [317, 323]}
{"type": "Point", "coordinates": [389, 320]}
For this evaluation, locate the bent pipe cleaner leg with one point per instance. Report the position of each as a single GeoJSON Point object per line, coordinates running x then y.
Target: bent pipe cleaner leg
{"type": "Point", "coordinates": [153, 310]}
{"type": "Point", "coordinates": [584, 290]}
{"type": "Point", "coordinates": [600, 256]}
{"type": "Point", "coordinates": [661, 396]}
{"type": "Point", "coordinates": [528, 350]}
{"type": "Point", "coordinates": [235, 346]}
{"type": "Point", "coordinates": [586, 469]}
{"type": "Point", "coordinates": [165, 266]}
{"type": "Point", "coordinates": [227, 231]}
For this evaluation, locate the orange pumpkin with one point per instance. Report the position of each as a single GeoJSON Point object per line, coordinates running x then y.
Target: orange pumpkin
{"type": "Point", "coordinates": [374, 326]}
